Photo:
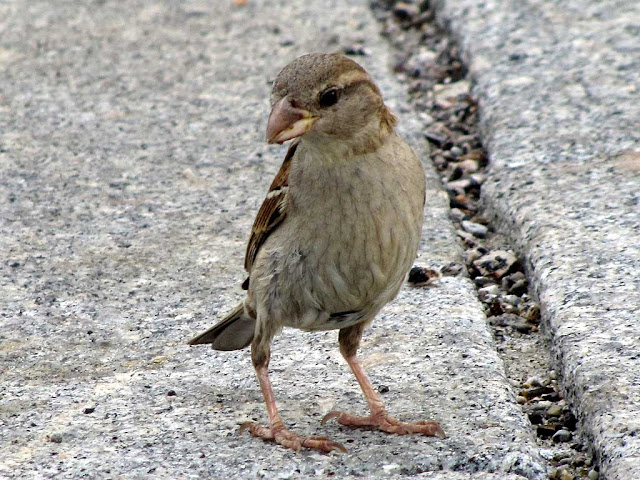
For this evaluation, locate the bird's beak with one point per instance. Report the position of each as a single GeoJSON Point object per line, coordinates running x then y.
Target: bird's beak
{"type": "Point", "coordinates": [287, 122]}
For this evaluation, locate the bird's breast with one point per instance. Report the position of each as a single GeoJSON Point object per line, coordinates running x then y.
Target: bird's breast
{"type": "Point", "coordinates": [353, 230]}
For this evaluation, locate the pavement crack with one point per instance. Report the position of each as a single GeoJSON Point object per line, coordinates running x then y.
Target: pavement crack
{"type": "Point", "coordinates": [428, 62]}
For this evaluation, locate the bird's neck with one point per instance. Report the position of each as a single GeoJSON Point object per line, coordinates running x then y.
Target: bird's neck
{"type": "Point", "coordinates": [366, 140]}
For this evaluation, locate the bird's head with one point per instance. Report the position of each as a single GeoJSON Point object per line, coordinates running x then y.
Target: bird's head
{"type": "Point", "coordinates": [328, 94]}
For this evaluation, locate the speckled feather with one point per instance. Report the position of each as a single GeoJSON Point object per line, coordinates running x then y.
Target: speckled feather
{"type": "Point", "coordinates": [340, 225]}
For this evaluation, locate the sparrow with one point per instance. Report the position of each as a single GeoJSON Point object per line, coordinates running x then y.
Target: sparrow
{"type": "Point", "coordinates": [335, 236]}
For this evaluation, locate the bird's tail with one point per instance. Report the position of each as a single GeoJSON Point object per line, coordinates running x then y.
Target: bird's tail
{"type": "Point", "coordinates": [233, 332]}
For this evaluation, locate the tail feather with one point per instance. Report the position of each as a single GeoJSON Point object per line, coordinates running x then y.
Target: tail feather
{"type": "Point", "coordinates": [233, 332]}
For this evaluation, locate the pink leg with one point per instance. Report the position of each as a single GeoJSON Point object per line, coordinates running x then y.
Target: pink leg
{"type": "Point", "coordinates": [379, 417]}
{"type": "Point", "coordinates": [276, 431]}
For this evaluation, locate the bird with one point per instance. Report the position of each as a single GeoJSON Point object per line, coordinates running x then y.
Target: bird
{"type": "Point", "coordinates": [335, 236]}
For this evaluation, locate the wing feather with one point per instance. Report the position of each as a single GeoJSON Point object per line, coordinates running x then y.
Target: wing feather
{"type": "Point", "coordinates": [272, 211]}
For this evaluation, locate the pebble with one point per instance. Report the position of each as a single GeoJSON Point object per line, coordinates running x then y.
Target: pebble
{"type": "Point", "coordinates": [482, 281]}
{"type": "Point", "coordinates": [456, 151]}
{"type": "Point", "coordinates": [521, 400]}
{"type": "Point", "coordinates": [406, 11]}
{"type": "Point", "coordinates": [519, 287]}
{"type": "Point", "coordinates": [561, 436]}
{"type": "Point", "coordinates": [542, 405]}
{"type": "Point", "coordinates": [55, 438]}
{"type": "Point", "coordinates": [475, 229]}
{"type": "Point", "coordinates": [562, 474]}
{"type": "Point", "coordinates": [468, 239]}
{"type": "Point", "coordinates": [478, 178]}
{"type": "Point", "coordinates": [487, 294]}
{"type": "Point", "coordinates": [418, 64]}
{"type": "Point", "coordinates": [458, 187]}
{"type": "Point", "coordinates": [554, 411]}
{"type": "Point", "coordinates": [593, 474]}
{"type": "Point", "coordinates": [532, 382]}
{"type": "Point", "coordinates": [421, 276]}
{"type": "Point", "coordinates": [452, 269]}
{"type": "Point", "coordinates": [531, 313]}
{"type": "Point", "coordinates": [457, 215]}
{"type": "Point", "coordinates": [511, 300]}
{"type": "Point", "coordinates": [469, 165]}
{"type": "Point", "coordinates": [496, 263]}
{"type": "Point", "coordinates": [470, 256]}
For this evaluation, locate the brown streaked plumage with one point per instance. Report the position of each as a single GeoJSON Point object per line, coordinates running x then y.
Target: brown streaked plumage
{"type": "Point", "coordinates": [336, 234]}
{"type": "Point", "coordinates": [272, 210]}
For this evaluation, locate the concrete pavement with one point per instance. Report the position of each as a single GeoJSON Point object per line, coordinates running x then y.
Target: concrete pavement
{"type": "Point", "coordinates": [133, 161]}
{"type": "Point", "coordinates": [558, 85]}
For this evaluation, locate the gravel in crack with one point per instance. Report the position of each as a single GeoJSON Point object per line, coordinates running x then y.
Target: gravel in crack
{"type": "Point", "coordinates": [428, 61]}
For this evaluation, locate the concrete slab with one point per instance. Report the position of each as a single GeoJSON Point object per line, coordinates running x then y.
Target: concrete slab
{"type": "Point", "coordinates": [132, 163]}
{"type": "Point", "coordinates": [558, 84]}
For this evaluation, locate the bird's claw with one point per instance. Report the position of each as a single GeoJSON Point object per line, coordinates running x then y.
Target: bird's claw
{"type": "Point", "coordinates": [385, 422]}
{"type": "Point", "coordinates": [283, 436]}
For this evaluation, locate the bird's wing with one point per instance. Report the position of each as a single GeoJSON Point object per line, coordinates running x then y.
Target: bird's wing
{"type": "Point", "coordinates": [272, 211]}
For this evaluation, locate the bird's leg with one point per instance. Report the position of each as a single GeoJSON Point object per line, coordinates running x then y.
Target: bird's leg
{"type": "Point", "coordinates": [349, 339]}
{"type": "Point", "coordinates": [276, 431]}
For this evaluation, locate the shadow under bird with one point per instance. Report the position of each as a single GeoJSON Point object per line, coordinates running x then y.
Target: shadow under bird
{"type": "Point", "coordinates": [335, 236]}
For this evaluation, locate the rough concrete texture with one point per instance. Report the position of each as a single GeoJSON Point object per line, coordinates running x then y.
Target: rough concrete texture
{"type": "Point", "coordinates": [132, 162]}
{"type": "Point", "coordinates": [558, 84]}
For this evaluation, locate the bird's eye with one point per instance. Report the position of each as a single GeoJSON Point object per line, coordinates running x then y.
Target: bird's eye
{"type": "Point", "coordinates": [329, 97]}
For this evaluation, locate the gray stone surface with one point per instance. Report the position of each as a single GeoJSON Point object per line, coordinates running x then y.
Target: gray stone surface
{"type": "Point", "coordinates": [132, 161]}
{"type": "Point", "coordinates": [559, 88]}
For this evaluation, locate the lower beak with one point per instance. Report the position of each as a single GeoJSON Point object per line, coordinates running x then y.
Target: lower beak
{"type": "Point", "coordinates": [287, 122]}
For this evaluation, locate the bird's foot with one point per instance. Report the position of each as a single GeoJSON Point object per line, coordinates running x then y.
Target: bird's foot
{"type": "Point", "coordinates": [385, 422]}
{"type": "Point", "coordinates": [283, 436]}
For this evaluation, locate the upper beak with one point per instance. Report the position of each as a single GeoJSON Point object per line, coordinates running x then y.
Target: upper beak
{"type": "Point", "coordinates": [287, 122]}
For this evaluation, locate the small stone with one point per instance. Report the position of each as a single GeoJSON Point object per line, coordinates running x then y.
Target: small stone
{"type": "Point", "coordinates": [545, 431]}
{"type": "Point", "coordinates": [511, 300]}
{"type": "Point", "coordinates": [554, 411]}
{"type": "Point", "coordinates": [469, 166]}
{"type": "Point", "coordinates": [515, 284]}
{"type": "Point", "coordinates": [383, 388]}
{"type": "Point", "coordinates": [471, 255]}
{"type": "Point", "coordinates": [487, 294]}
{"type": "Point", "coordinates": [458, 187]}
{"type": "Point", "coordinates": [561, 436]}
{"type": "Point", "coordinates": [535, 418]}
{"type": "Point", "coordinates": [509, 306]}
{"type": "Point", "coordinates": [593, 474]}
{"type": "Point", "coordinates": [478, 178]}
{"type": "Point", "coordinates": [419, 63]}
{"type": "Point", "coordinates": [457, 215]}
{"type": "Point", "coordinates": [406, 11]}
{"type": "Point", "coordinates": [519, 287]}
{"type": "Point", "coordinates": [483, 281]}
{"type": "Point", "coordinates": [452, 269]}
{"type": "Point", "coordinates": [55, 438]}
{"type": "Point", "coordinates": [532, 382]}
{"type": "Point", "coordinates": [468, 239]}
{"type": "Point", "coordinates": [521, 400]}
{"type": "Point", "coordinates": [456, 151]}
{"type": "Point", "coordinates": [421, 276]}
{"type": "Point", "coordinates": [496, 264]}
{"type": "Point", "coordinates": [561, 456]}
{"type": "Point", "coordinates": [542, 405]}
{"type": "Point", "coordinates": [171, 393]}
{"type": "Point", "coordinates": [89, 410]}
{"type": "Point", "coordinates": [570, 421]}
{"type": "Point", "coordinates": [475, 229]}
{"type": "Point", "coordinates": [552, 397]}
{"type": "Point", "coordinates": [531, 313]}
{"type": "Point", "coordinates": [562, 474]}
